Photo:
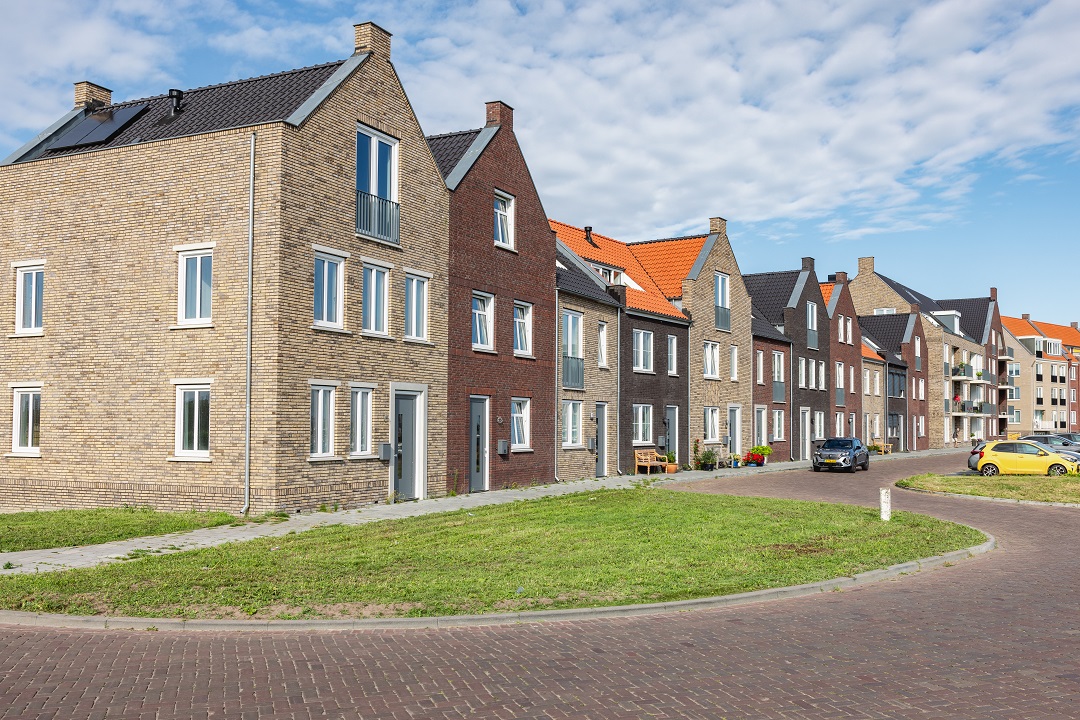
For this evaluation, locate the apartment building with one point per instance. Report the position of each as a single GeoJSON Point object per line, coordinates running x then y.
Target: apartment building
{"type": "Point", "coordinates": [846, 354]}
{"type": "Point", "coordinates": [1039, 400]}
{"type": "Point", "coordinates": [980, 319]}
{"type": "Point", "coordinates": [1070, 346]}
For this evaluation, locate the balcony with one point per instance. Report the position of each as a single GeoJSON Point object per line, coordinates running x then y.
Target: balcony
{"type": "Point", "coordinates": [1009, 381]}
{"type": "Point", "coordinates": [812, 339]}
{"type": "Point", "coordinates": [573, 372]}
{"type": "Point", "coordinates": [378, 218]}
{"type": "Point", "coordinates": [1038, 401]}
{"type": "Point", "coordinates": [1006, 353]}
{"type": "Point", "coordinates": [840, 397]}
{"type": "Point", "coordinates": [963, 406]}
{"type": "Point", "coordinates": [723, 318]}
{"type": "Point", "coordinates": [981, 376]}
{"type": "Point", "coordinates": [962, 372]}
{"type": "Point", "coordinates": [779, 391]}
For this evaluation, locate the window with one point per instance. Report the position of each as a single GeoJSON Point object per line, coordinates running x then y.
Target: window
{"type": "Point", "coordinates": [1014, 415]}
{"type": "Point", "coordinates": [29, 286]}
{"type": "Point", "coordinates": [813, 375]}
{"type": "Point", "coordinates": [922, 389]}
{"type": "Point", "coordinates": [483, 320]}
{"type": "Point", "coordinates": [522, 328]}
{"type": "Point", "coordinates": [1072, 395]}
{"type": "Point", "coordinates": [721, 299]}
{"type": "Point", "coordinates": [643, 350]}
{"type": "Point", "coordinates": [839, 421]}
{"type": "Point", "coordinates": [322, 421]}
{"type": "Point", "coordinates": [360, 421]}
{"type": "Point", "coordinates": [571, 423]}
{"type": "Point", "coordinates": [734, 362]}
{"type": "Point", "coordinates": [918, 346]}
{"type": "Point", "coordinates": [1014, 369]}
{"type": "Point", "coordinates": [778, 366]}
{"type": "Point", "coordinates": [822, 382]}
{"type": "Point", "coordinates": [504, 220]}
{"type": "Point", "coordinates": [376, 299]}
{"type": "Point", "coordinates": [778, 424]}
{"type": "Point", "coordinates": [377, 212]}
{"type": "Point", "coordinates": [877, 425]}
{"type": "Point", "coordinates": [712, 360]}
{"type": "Point", "coordinates": [643, 425]}
{"type": "Point", "coordinates": [866, 381]}
{"type": "Point", "coordinates": [195, 286]}
{"type": "Point", "coordinates": [712, 424]}
{"type": "Point", "coordinates": [884, 311]}
{"type": "Point", "coordinates": [839, 376]}
{"type": "Point", "coordinates": [877, 383]}
{"type": "Point", "coordinates": [26, 423]}
{"type": "Point", "coordinates": [672, 355]}
{"type": "Point", "coordinates": [329, 288]}
{"type": "Point", "coordinates": [849, 340]}
{"type": "Point", "coordinates": [802, 372]}
{"type": "Point", "coordinates": [601, 345]}
{"type": "Point", "coordinates": [192, 421]}
{"type": "Point", "coordinates": [519, 424]}
{"type": "Point", "coordinates": [415, 307]}
{"type": "Point", "coordinates": [759, 362]}
{"type": "Point", "coordinates": [1072, 372]}
{"type": "Point", "coordinates": [819, 425]}
{"type": "Point", "coordinates": [811, 326]}
{"type": "Point", "coordinates": [851, 380]}
{"type": "Point", "coordinates": [840, 328]}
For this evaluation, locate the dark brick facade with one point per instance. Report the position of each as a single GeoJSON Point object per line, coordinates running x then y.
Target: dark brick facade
{"type": "Point", "coordinates": [917, 371]}
{"type": "Point", "coordinates": [525, 274]}
{"type": "Point", "coordinates": [849, 352]}
{"type": "Point", "coordinates": [818, 399]}
{"type": "Point", "coordinates": [764, 398]}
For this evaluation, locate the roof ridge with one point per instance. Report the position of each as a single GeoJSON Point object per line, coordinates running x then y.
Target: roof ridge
{"type": "Point", "coordinates": [451, 134]}
{"type": "Point", "coordinates": [668, 239]}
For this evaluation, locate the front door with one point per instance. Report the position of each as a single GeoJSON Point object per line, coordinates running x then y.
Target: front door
{"type": "Point", "coordinates": [478, 444]}
{"type": "Point", "coordinates": [804, 433]}
{"type": "Point", "coordinates": [734, 426]}
{"type": "Point", "coordinates": [672, 430]}
{"type": "Point", "coordinates": [760, 431]}
{"type": "Point", "coordinates": [601, 439]}
{"type": "Point", "coordinates": [405, 437]}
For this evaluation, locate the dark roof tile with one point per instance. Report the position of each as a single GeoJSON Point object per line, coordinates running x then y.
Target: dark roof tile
{"type": "Point", "coordinates": [770, 292]}
{"type": "Point", "coordinates": [576, 282]}
{"type": "Point", "coordinates": [448, 149]}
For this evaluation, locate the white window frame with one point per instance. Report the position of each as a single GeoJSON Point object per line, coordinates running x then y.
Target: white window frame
{"type": "Point", "coordinates": [922, 388]}
{"type": "Point", "coordinates": [375, 299]}
{"type": "Point", "coordinates": [711, 360]}
{"type": "Point", "coordinates": [571, 423]}
{"type": "Point", "coordinates": [922, 426]}
{"type": "Point", "coordinates": [416, 306]}
{"type": "Point", "coordinates": [852, 388]}
{"type": "Point", "coordinates": [508, 214]}
{"type": "Point", "coordinates": [321, 410]}
{"type": "Point", "coordinates": [811, 322]}
{"type": "Point", "coordinates": [759, 360]}
{"type": "Point", "coordinates": [819, 425]}
{"type": "Point", "coordinates": [182, 388]}
{"type": "Point", "coordinates": [672, 355]}
{"type": "Point", "coordinates": [777, 366]}
{"type": "Point", "coordinates": [642, 425]}
{"type": "Point", "coordinates": [712, 424]}
{"type": "Point", "coordinates": [839, 376]}
{"type": "Point", "coordinates": [823, 383]}
{"type": "Point", "coordinates": [520, 410]}
{"type": "Point", "coordinates": [486, 317]}
{"type": "Point", "coordinates": [361, 396]}
{"type": "Point", "coordinates": [197, 253]}
{"type": "Point", "coordinates": [734, 355]}
{"type": "Point", "coordinates": [877, 383]}
{"type": "Point", "coordinates": [866, 381]}
{"type": "Point", "coordinates": [838, 421]}
{"type": "Point", "coordinates": [601, 345]}
{"type": "Point", "coordinates": [525, 325]}
{"type": "Point", "coordinates": [812, 380]}
{"type": "Point", "coordinates": [643, 350]}
{"type": "Point", "coordinates": [778, 424]}
{"type": "Point", "coordinates": [802, 372]}
{"type": "Point", "coordinates": [35, 268]}
{"type": "Point", "coordinates": [374, 136]}
{"type": "Point", "coordinates": [338, 304]}
{"type": "Point", "coordinates": [30, 449]}
{"type": "Point", "coordinates": [840, 328]}
{"type": "Point", "coordinates": [850, 341]}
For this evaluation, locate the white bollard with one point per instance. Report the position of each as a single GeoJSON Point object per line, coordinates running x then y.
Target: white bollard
{"type": "Point", "coordinates": [886, 504]}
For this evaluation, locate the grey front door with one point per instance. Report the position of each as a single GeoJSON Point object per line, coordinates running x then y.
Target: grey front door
{"type": "Point", "coordinates": [672, 430]}
{"type": "Point", "coordinates": [405, 436]}
{"type": "Point", "coordinates": [478, 443]}
{"type": "Point", "coordinates": [601, 439]}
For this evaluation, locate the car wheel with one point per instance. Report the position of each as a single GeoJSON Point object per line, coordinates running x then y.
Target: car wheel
{"type": "Point", "coordinates": [852, 467]}
{"type": "Point", "coordinates": [816, 468]}
{"type": "Point", "coordinates": [866, 464]}
{"type": "Point", "coordinates": [1056, 469]}
{"type": "Point", "coordinates": [989, 470]}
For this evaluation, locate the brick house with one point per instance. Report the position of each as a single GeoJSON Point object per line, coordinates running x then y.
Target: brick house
{"type": "Point", "coordinates": [846, 353]}
{"type": "Point", "coordinates": [791, 302]}
{"type": "Point", "coordinates": [700, 276]}
{"type": "Point", "coordinates": [772, 389]}
{"type": "Point", "coordinates": [980, 319]}
{"type": "Point", "coordinates": [899, 338]}
{"type": "Point", "coordinates": [873, 394]}
{"type": "Point", "coordinates": [588, 336]}
{"type": "Point", "coordinates": [500, 421]}
{"type": "Point", "coordinates": [653, 341]}
{"type": "Point", "coordinates": [1070, 346]}
{"type": "Point", "coordinates": [132, 230]}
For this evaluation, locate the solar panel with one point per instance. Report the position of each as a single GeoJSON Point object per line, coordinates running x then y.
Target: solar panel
{"type": "Point", "coordinates": [98, 127]}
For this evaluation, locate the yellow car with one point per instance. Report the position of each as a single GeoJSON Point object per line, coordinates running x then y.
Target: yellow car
{"type": "Point", "coordinates": [1018, 457]}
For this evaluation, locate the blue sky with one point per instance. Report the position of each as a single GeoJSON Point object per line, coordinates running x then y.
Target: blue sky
{"type": "Point", "coordinates": [940, 137]}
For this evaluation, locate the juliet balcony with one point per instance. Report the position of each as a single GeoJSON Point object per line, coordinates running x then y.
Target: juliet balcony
{"type": "Point", "coordinates": [573, 372]}
{"type": "Point", "coordinates": [378, 218]}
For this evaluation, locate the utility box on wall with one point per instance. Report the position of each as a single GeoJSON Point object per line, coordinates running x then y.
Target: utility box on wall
{"type": "Point", "coordinates": [504, 447]}
{"type": "Point", "coordinates": [385, 451]}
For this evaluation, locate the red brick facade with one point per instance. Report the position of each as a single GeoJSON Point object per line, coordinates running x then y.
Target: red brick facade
{"type": "Point", "coordinates": [777, 435]}
{"type": "Point", "coordinates": [846, 350]}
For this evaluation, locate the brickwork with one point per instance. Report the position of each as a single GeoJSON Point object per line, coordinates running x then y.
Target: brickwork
{"type": "Point", "coordinates": [777, 437]}
{"type": "Point", "coordinates": [525, 273]}
{"type": "Point", "coordinates": [817, 399]}
{"type": "Point", "coordinates": [847, 351]}
{"type": "Point", "coordinates": [873, 403]}
{"type": "Point", "coordinates": [918, 376]}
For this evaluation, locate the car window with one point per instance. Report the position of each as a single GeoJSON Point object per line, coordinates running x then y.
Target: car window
{"type": "Point", "coordinates": [837, 444]}
{"type": "Point", "coordinates": [1005, 447]}
{"type": "Point", "coordinates": [1028, 449]}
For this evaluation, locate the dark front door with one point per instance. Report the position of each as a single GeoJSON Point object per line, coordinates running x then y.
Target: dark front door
{"type": "Point", "coordinates": [405, 436]}
{"type": "Point", "coordinates": [478, 443]}
{"type": "Point", "coordinates": [601, 439]}
{"type": "Point", "coordinates": [672, 430]}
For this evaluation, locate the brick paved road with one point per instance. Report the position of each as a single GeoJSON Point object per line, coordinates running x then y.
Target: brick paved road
{"type": "Point", "coordinates": [997, 636]}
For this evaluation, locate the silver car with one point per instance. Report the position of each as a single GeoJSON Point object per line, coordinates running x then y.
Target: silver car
{"type": "Point", "coordinates": [844, 453]}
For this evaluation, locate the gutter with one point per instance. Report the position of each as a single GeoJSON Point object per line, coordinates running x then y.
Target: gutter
{"type": "Point", "coordinates": [250, 293]}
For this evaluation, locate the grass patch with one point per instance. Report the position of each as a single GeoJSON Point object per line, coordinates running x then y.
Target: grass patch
{"type": "Point", "coordinates": [1043, 488]}
{"type": "Point", "coordinates": [64, 528]}
{"type": "Point", "coordinates": [592, 549]}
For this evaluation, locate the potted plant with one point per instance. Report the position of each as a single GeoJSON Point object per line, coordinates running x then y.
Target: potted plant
{"type": "Point", "coordinates": [672, 466]}
{"type": "Point", "coordinates": [978, 373]}
{"type": "Point", "coordinates": [874, 449]}
{"type": "Point", "coordinates": [696, 461]}
{"type": "Point", "coordinates": [753, 459]}
{"type": "Point", "coordinates": [735, 460]}
{"type": "Point", "coordinates": [764, 451]}
{"type": "Point", "coordinates": [708, 459]}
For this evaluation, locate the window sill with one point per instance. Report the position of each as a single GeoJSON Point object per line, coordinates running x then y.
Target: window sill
{"type": "Point", "coordinates": [644, 372]}
{"type": "Point", "coordinates": [603, 367]}
{"type": "Point", "coordinates": [673, 374]}
{"type": "Point", "coordinates": [573, 447]}
{"type": "Point", "coordinates": [419, 341]}
{"type": "Point", "coordinates": [189, 458]}
{"type": "Point", "coordinates": [27, 333]}
{"type": "Point", "coordinates": [324, 458]}
{"type": "Point", "coordinates": [192, 326]}
{"type": "Point", "coordinates": [524, 356]}
{"type": "Point", "coordinates": [639, 443]}
{"type": "Point", "coordinates": [387, 243]}
{"type": "Point", "coordinates": [712, 377]}
{"type": "Point", "coordinates": [485, 350]}
{"type": "Point", "coordinates": [376, 335]}
{"type": "Point", "coordinates": [521, 450]}
{"type": "Point", "coordinates": [356, 456]}
{"type": "Point", "coordinates": [507, 248]}
{"type": "Point", "coordinates": [23, 454]}
{"type": "Point", "coordinates": [573, 389]}
{"type": "Point", "coordinates": [331, 329]}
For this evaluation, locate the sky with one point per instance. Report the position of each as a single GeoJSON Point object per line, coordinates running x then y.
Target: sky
{"type": "Point", "coordinates": [941, 137]}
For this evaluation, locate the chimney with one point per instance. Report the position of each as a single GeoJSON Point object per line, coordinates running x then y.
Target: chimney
{"type": "Point", "coordinates": [588, 236]}
{"type": "Point", "coordinates": [717, 226]}
{"type": "Point", "coordinates": [177, 98]}
{"type": "Point", "coordinates": [89, 95]}
{"type": "Point", "coordinates": [841, 277]}
{"type": "Point", "coordinates": [1074, 326]}
{"type": "Point", "coordinates": [499, 113]}
{"type": "Point", "coordinates": [370, 38]}
{"type": "Point", "coordinates": [993, 293]}
{"type": "Point", "coordinates": [808, 263]}
{"type": "Point", "coordinates": [914, 308]}
{"type": "Point", "coordinates": [1026, 316]}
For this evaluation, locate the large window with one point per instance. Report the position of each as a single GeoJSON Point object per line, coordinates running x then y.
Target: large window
{"type": "Point", "coordinates": [777, 424]}
{"type": "Point", "coordinates": [376, 300]}
{"type": "Point", "coordinates": [601, 345]}
{"type": "Point", "coordinates": [811, 326]}
{"type": "Point", "coordinates": [523, 328]}
{"type": "Point", "coordinates": [712, 360]}
{"type": "Point", "coordinates": [712, 424]}
{"type": "Point", "coordinates": [571, 423]}
{"type": "Point", "coordinates": [195, 286]}
{"type": "Point", "coordinates": [483, 321]}
{"type": "Point", "coordinates": [416, 307]}
{"type": "Point", "coordinates": [377, 213]}
{"type": "Point", "coordinates": [643, 351]}
{"type": "Point", "coordinates": [26, 424]}
{"type": "Point", "coordinates": [360, 421]}
{"type": "Point", "coordinates": [519, 424]}
{"type": "Point", "coordinates": [192, 420]}
{"type": "Point", "coordinates": [322, 420]}
{"type": "Point", "coordinates": [329, 286]}
{"type": "Point", "coordinates": [29, 287]}
{"type": "Point", "coordinates": [643, 425]}
{"type": "Point", "coordinates": [504, 220]}
{"type": "Point", "coordinates": [672, 355]}
{"type": "Point", "coordinates": [722, 301]}
{"type": "Point", "coordinates": [733, 355]}
{"type": "Point", "coordinates": [777, 366]}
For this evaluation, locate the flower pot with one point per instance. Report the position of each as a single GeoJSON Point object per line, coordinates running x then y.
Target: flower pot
{"type": "Point", "coordinates": [751, 464]}
{"type": "Point", "coordinates": [734, 463]}
{"type": "Point", "coordinates": [708, 466]}
{"type": "Point", "coordinates": [672, 468]}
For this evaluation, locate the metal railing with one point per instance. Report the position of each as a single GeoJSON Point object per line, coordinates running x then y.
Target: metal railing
{"type": "Point", "coordinates": [378, 218]}
{"type": "Point", "coordinates": [779, 391]}
{"type": "Point", "coordinates": [723, 318]}
{"type": "Point", "coordinates": [963, 372]}
{"type": "Point", "coordinates": [812, 339]}
{"type": "Point", "coordinates": [840, 397]}
{"type": "Point", "coordinates": [573, 372]}
{"type": "Point", "coordinates": [918, 363]}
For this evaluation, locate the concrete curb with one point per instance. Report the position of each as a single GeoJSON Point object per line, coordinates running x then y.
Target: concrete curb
{"type": "Point", "coordinates": [987, 498]}
{"type": "Point", "coordinates": [91, 622]}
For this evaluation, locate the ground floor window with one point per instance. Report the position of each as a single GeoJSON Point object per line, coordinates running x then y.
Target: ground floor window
{"type": "Point", "coordinates": [712, 424]}
{"type": "Point", "coordinates": [643, 424]}
{"type": "Point", "coordinates": [571, 422]}
{"type": "Point", "coordinates": [26, 436]}
{"type": "Point", "coordinates": [322, 421]}
{"type": "Point", "coordinates": [360, 421]}
{"type": "Point", "coordinates": [777, 424]}
{"type": "Point", "coordinates": [819, 425]}
{"type": "Point", "coordinates": [519, 423]}
{"type": "Point", "coordinates": [192, 421]}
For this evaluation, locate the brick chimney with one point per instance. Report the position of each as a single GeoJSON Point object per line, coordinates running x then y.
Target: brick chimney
{"type": "Point", "coordinates": [370, 38]}
{"type": "Point", "coordinates": [808, 263]}
{"type": "Point", "coordinates": [866, 265]}
{"type": "Point", "coordinates": [914, 308]}
{"type": "Point", "coordinates": [717, 226]}
{"type": "Point", "coordinates": [1074, 326]}
{"type": "Point", "coordinates": [993, 293]}
{"type": "Point", "coordinates": [499, 113]}
{"type": "Point", "coordinates": [1026, 316]}
{"type": "Point", "coordinates": [89, 95]}
{"type": "Point", "coordinates": [841, 277]}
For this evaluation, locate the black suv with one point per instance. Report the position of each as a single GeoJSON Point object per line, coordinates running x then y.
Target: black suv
{"type": "Point", "coordinates": [846, 453]}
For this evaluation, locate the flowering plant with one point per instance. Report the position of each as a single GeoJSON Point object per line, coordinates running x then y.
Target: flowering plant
{"type": "Point", "coordinates": [753, 457]}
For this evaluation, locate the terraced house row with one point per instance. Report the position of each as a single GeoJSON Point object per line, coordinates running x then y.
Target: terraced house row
{"type": "Point", "coordinates": [278, 293]}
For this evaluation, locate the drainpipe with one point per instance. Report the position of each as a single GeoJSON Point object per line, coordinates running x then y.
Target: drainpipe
{"type": "Point", "coordinates": [791, 401]}
{"type": "Point", "coordinates": [250, 293]}
{"type": "Point", "coordinates": [558, 381]}
{"type": "Point", "coordinates": [618, 392]}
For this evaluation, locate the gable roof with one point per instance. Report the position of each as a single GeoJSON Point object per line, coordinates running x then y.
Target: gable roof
{"type": "Point", "coordinates": [889, 332]}
{"type": "Point", "coordinates": [608, 251]}
{"type": "Point", "coordinates": [1019, 327]}
{"type": "Point", "coordinates": [449, 148]}
{"type": "Point", "coordinates": [286, 96]}
{"type": "Point", "coordinates": [976, 315]}
{"type": "Point", "coordinates": [1068, 335]}
{"type": "Point", "coordinates": [771, 292]}
{"type": "Point", "coordinates": [576, 278]}
{"type": "Point", "coordinates": [762, 328]}
{"type": "Point", "coordinates": [669, 261]}
{"type": "Point", "coordinates": [925, 302]}
{"type": "Point", "coordinates": [870, 353]}
{"type": "Point", "coordinates": [827, 291]}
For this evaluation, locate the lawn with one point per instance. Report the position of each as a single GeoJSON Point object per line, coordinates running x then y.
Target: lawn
{"type": "Point", "coordinates": [1014, 487]}
{"type": "Point", "coordinates": [64, 528]}
{"type": "Point", "coordinates": [593, 549]}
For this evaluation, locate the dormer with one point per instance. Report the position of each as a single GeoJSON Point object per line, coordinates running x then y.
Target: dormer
{"type": "Point", "coordinates": [950, 319]}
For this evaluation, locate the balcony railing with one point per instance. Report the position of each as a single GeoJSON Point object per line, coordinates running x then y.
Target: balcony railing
{"type": "Point", "coordinates": [723, 318]}
{"type": "Point", "coordinates": [963, 372]}
{"type": "Point", "coordinates": [1006, 353]}
{"type": "Point", "coordinates": [378, 218]}
{"type": "Point", "coordinates": [812, 339]}
{"type": "Point", "coordinates": [840, 397]}
{"type": "Point", "coordinates": [1038, 401]}
{"type": "Point", "coordinates": [918, 363]}
{"type": "Point", "coordinates": [573, 372]}
{"type": "Point", "coordinates": [779, 391]}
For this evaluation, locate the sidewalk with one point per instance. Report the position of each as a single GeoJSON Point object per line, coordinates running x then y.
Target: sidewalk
{"type": "Point", "coordinates": [56, 559]}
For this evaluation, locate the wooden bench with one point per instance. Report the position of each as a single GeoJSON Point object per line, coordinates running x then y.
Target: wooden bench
{"type": "Point", "coordinates": [649, 459]}
{"type": "Point", "coordinates": [886, 448]}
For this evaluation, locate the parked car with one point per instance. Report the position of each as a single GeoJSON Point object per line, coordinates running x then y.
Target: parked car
{"type": "Point", "coordinates": [1019, 457]}
{"type": "Point", "coordinates": [1055, 441]}
{"type": "Point", "coordinates": [846, 453]}
{"type": "Point", "coordinates": [1075, 437]}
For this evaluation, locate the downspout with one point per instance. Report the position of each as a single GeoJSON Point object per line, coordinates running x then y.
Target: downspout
{"type": "Point", "coordinates": [250, 293]}
{"type": "Point", "coordinates": [791, 402]}
{"type": "Point", "coordinates": [618, 393]}
{"type": "Point", "coordinates": [558, 381]}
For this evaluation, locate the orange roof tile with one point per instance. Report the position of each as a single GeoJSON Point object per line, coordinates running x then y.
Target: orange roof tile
{"type": "Point", "coordinates": [609, 251]}
{"type": "Point", "coordinates": [1069, 336]}
{"type": "Point", "coordinates": [668, 262]}
{"type": "Point", "coordinates": [1019, 326]}
{"type": "Point", "coordinates": [869, 353]}
{"type": "Point", "coordinates": [826, 290]}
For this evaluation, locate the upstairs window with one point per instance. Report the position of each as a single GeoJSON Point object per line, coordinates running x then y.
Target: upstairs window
{"type": "Point", "coordinates": [377, 213]}
{"type": "Point", "coordinates": [712, 360]}
{"type": "Point", "coordinates": [643, 350]}
{"type": "Point", "coordinates": [811, 326]}
{"type": "Point", "coordinates": [734, 357]}
{"type": "Point", "coordinates": [522, 328]}
{"type": "Point", "coordinates": [778, 366]}
{"type": "Point", "coordinates": [376, 300]}
{"type": "Point", "coordinates": [504, 220]}
{"type": "Point", "coordinates": [850, 341]}
{"type": "Point", "coordinates": [195, 285]}
{"type": "Point", "coordinates": [483, 321]}
{"type": "Point", "coordinates": [722, 301]}
{"type": "Point", "coordinates": [329, 286]}
{"type": "Point", "coordinates": [672, 355]}
{"type": "Point", "coordinates": [415, 307]}
{"type": "Point", "coordinates": [29, 287]}
{"type": "Point", "coordinates": [601, 345]}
